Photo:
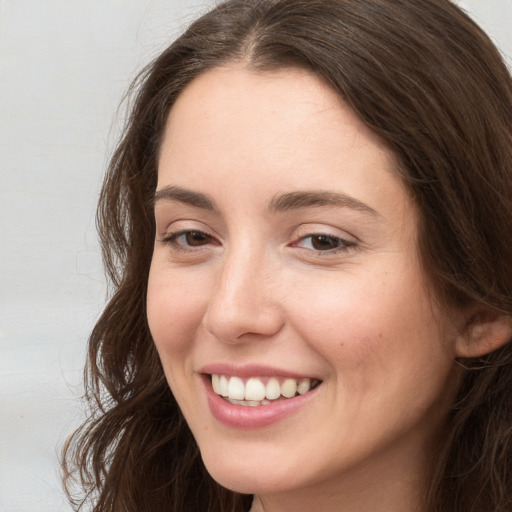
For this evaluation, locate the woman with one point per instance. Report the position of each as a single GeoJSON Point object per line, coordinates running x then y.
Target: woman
{"type": "Point", "coordinates": [307, 227]}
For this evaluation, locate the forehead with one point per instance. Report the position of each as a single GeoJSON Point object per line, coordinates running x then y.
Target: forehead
{"type": "Point", "coordinates": [289, 109]}
{"type": "Point", "coordinates": [280, 95]}
{"type": "Point", "coordinates": [262, 134]}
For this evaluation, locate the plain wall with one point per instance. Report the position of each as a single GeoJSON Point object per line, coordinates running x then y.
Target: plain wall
{"type": "Point", "coordinates": [64, 65]}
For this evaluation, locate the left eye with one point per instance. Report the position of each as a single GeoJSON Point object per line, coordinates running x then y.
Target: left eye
{"type": "Point", "coordinates": [322, 242]}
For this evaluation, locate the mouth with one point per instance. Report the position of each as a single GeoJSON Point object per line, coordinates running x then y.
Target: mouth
{"type": "Point", "coordinates": [260, 391]}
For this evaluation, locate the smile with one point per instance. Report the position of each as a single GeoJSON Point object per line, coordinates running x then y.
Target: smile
{"type": "Point", "coordinates": [258, 391]}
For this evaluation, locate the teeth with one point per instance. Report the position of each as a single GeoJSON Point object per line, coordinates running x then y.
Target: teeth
{"type": "Point", "coordinates": [223, 386]}
{"type": "Point", "coordinates": [236, 389]}
{"type": "Point", "coordinates": [248, 403]}
{"type": "Point", "coordinates": [273, 389]}
{"type": "Point", "coordinates": [254, 392]}
{"type": "Point", "coordinates": [215, 384]}
{"type": "Point", "coordinates": [289, 388]}
{"type": "Point", "coordinates": [303, 386]}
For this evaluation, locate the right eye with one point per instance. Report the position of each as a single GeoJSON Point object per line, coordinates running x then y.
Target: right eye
{"type": "Point", "coordinates": [186, 240]}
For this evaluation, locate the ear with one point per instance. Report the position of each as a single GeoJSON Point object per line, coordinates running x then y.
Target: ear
{"type": "Point", "coordinates": [485, 331]}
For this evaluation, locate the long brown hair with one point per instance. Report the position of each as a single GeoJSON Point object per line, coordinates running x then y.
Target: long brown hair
{"type": "Point", "coordinates": [426, 79]}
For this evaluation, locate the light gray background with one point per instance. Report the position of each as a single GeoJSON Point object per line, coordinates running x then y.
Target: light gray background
{"type": "Point", "coordinates": [64, 65]}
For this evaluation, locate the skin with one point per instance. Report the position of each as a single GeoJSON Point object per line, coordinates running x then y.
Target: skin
{"type": "Point", "coordinates": [260, 288]}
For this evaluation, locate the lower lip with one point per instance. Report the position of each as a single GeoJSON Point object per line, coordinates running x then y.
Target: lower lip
{"type": "Point", "coordinates": [247, 417]}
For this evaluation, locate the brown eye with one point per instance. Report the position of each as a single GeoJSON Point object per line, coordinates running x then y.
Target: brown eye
{"type": "Point", "coordinates": [188, 239]}
{"type": "Point", "coordinates": [324, 243]}
{"type": "Point", "coordinates": [195, 238]}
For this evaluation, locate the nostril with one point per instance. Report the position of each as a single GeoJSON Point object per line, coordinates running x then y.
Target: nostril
{"type": "Point", "coordinates": [240, 324]}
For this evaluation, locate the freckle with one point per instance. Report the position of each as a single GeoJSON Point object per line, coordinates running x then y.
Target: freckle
{"type": "Point", "coordinates": [380, 335]}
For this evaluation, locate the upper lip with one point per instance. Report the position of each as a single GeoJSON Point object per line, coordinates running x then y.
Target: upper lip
{"type": "Point", "coordinates": [251, 370]}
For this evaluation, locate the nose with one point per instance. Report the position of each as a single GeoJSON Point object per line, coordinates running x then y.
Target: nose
{"type": "Point", "coordinates": [244, 304]}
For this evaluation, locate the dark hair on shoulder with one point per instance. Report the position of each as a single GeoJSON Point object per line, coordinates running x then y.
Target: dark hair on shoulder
{"type": "Point", "coordinates": [425, 78]}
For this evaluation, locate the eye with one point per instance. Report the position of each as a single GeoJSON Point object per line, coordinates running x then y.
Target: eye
{"type": "Point", "coordinates": [188, 239]}
{"type": "Point", "coordinates": [324, 243]}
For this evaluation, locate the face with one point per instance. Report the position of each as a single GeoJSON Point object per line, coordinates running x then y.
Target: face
{"type": "Point", "coordinates": [285, 270]}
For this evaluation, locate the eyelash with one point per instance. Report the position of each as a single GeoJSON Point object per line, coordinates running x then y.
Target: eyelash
{"type": "Point", "coordinates": [172, 239]}
{"type": "Point", "coordinates": [341, 244]}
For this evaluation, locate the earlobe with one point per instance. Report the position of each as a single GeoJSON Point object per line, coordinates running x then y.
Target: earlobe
{"type": "Point", "coordinates": [485, 332]}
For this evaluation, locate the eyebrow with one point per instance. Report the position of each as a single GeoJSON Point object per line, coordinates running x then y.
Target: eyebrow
{"type": "Point", "coordinates": [184, 195]}
{"type": "Point", "coordinates": [281, 203]}
{"type": "Point", "coordinates": [308, 199]}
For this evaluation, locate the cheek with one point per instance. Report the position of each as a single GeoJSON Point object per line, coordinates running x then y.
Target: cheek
{"type": "Point", "coordinates": [174, 318]}
{"type": "Point", "coordinates": [367, 326]}
{"type": "Point", "coordinates": [387, 354]}
{"type": "Point", "coordinates": [173, 315]}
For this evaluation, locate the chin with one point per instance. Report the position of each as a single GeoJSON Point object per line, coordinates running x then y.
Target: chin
{"type": "Point", "coordinates": [250, 476]}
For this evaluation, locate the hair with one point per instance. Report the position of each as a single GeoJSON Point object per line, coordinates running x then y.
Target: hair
{"type": "Point", "coordinates": [425, 78]}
